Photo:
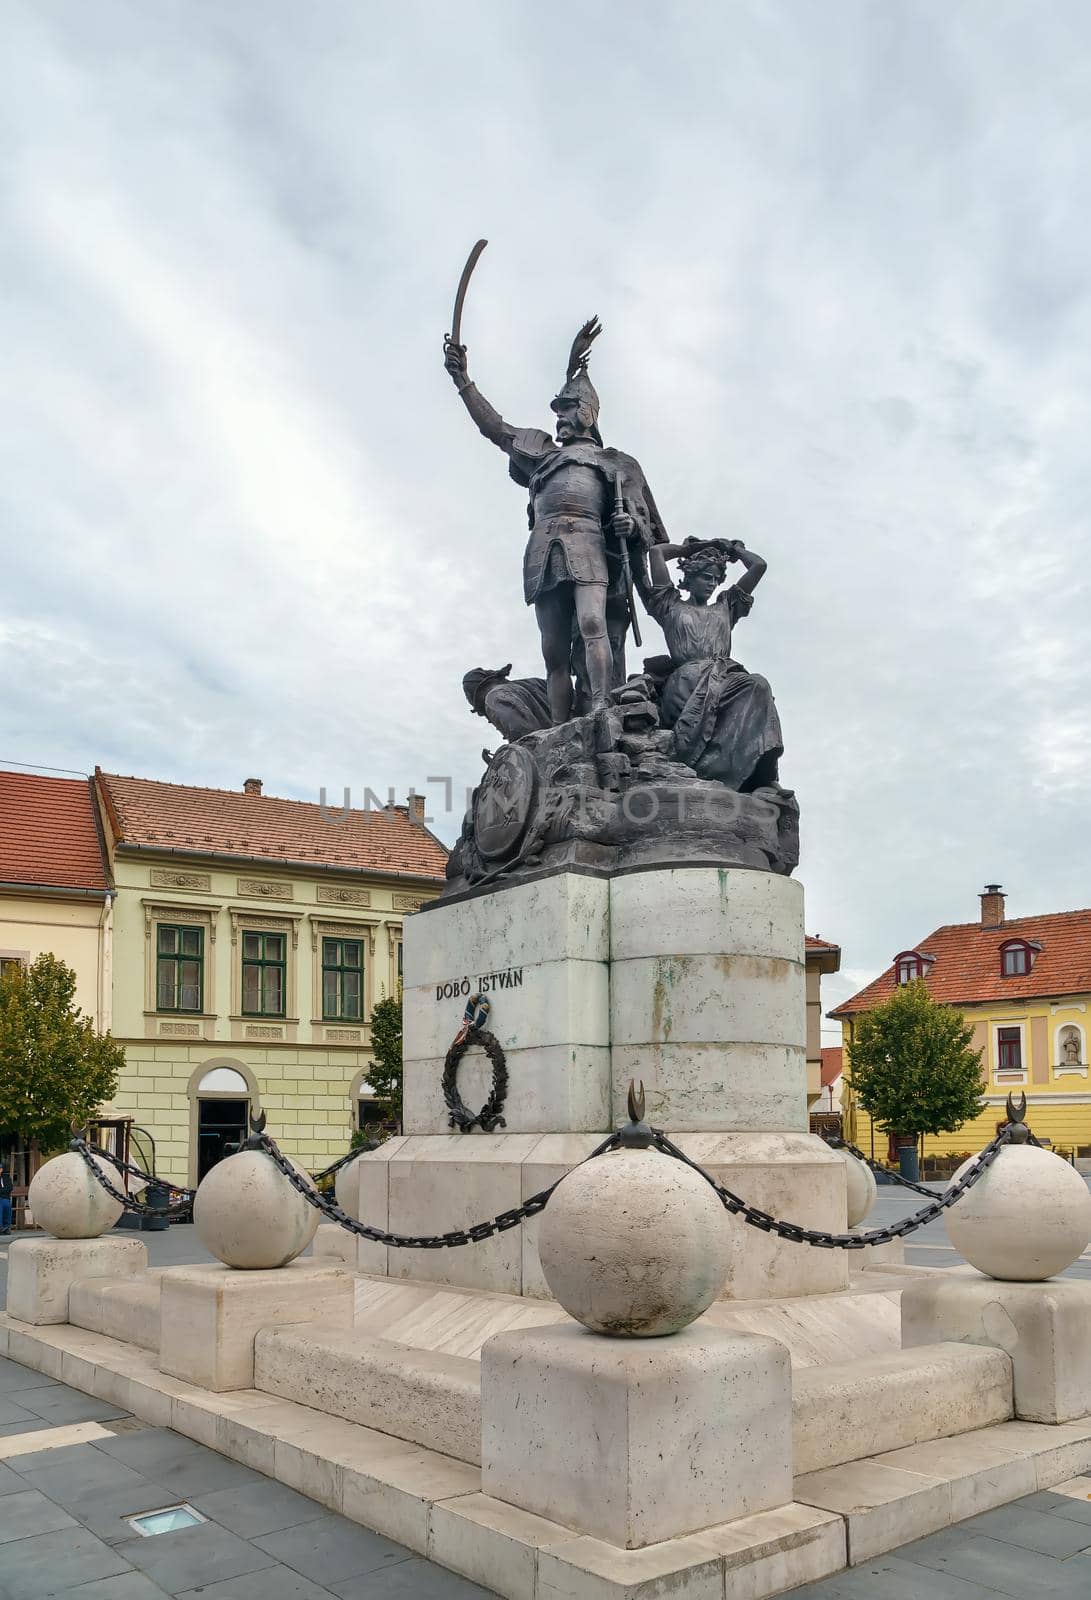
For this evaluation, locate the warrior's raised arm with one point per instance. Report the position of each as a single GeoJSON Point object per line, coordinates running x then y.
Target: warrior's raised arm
{"type": "Point", "coordinates": [488, 419]}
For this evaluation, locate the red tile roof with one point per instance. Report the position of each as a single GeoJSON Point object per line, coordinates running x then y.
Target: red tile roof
{"type": "Point", "coordinates": [816, 943]}
{"type": "Point", "coordinates": [831, 1064]}
{"type": "Point", "coordinates": [966, 968]}
{"type": "Point", "coordinates": [48, 835]}
{"type": "Point", "coordinates": [176, 817]}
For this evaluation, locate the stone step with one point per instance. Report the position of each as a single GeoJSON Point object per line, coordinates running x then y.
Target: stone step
{"type": "Point", "coordinates": [120, 1308]}
{"type": "Point", "coordinates": [418, 1395]}
{"type": "Point", "coordinates": [840, 1412]}
{"type": "Point", "coordinates": [866, 1407]}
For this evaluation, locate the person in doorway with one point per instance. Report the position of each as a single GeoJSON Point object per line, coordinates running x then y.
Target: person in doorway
{"type": "Point", "coordinates": [5, 1199]}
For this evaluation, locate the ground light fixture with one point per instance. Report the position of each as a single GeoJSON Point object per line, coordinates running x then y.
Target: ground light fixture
{"type": "Point", "coordinates": [168, 1519]}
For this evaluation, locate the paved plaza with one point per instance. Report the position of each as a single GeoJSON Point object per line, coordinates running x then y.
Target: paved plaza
{"type": "Point", "coordinates": [73, 1469]}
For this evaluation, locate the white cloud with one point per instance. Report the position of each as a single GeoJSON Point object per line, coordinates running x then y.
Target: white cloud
{"type": "Point", "coordinates": [839, 253]}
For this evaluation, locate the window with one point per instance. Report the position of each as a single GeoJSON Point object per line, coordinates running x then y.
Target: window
{"type": "Point", "coordinates": [342, 980]}
{"type": "Point", "coordinates": [10, 964]}
{"type": "Point", "coordinates": [912, 964]}
{"type": "Point", "coordinates": [1009, 1050]}
{"type": "Point", "coordinates": [179, 968]}
{"type": "Point", "coordinates": [263, 974]}
{"type": "Point", "coordinates": [1016, 958]}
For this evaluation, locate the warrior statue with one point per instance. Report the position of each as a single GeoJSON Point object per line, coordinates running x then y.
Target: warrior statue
{"type": "Point", "coordinates": [591, 517]}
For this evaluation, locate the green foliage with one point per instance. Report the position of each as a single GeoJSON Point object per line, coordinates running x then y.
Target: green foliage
{"type": "Point", "coordinates": [911, 1065]}
{"type": "Point", "coordinates": [385, 1072]}
{"type": "Point", "coordinates": [55, 1070]}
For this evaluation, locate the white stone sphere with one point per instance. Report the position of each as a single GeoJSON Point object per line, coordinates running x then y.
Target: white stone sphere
{"type": "Point", "coordinates": [1026, 1219]}
{"type": "Point", "coordinates": [67, 1200]}
{"type": "Point", "coordinates": [635, 1244]}
{"type": "Point", "coordinates": [248, 1215]}
{"type": "Point", "coordinates": [346, 1186]}
{"type": "Point", "coordinates": [861, 1188]}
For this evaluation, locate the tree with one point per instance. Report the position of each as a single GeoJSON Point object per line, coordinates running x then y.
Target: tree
{"type": "Point", "coordinates": [912, 1067]}
{"type": "Point", "coordinates": [55, 1069]}
{"type": "Point", "coordinates": [385, 1072]}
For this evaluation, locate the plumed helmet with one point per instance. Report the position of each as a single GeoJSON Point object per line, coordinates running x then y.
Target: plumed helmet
{"type": "Point", "coordinates": [579, 392]}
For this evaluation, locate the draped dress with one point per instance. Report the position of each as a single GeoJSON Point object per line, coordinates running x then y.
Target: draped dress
{"type": "Point", "coordinates": [724, 719]}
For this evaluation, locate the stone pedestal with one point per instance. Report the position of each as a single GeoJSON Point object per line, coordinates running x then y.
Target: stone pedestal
{"type": "Point", "coordinates": [41, 1271]}
{"type": "Point", "coordinates": [708, 999]}
{"type": "Point", "coordinates": [689, 978]}
{"type": "Point", "coordinates": [1044, 1327]}
{"type": "Point", "coordinates": [540, 953]}
{"type": "Point", "coordinates": [636, 1441]}
{"type": "Point", "coordinates": [209, 1315]}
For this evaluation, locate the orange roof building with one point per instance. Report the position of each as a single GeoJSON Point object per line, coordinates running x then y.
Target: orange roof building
{"type": "Point", "coordinates": [1024, 985]}
{"type": "Point", "coordinates": [55, 893]}
{"type": "Point", "coordinates": [253, 937]}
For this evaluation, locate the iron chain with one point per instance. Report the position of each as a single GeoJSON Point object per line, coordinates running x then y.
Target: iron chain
{"type": "Point", "coordinates": [81, 1147]}
{"type": "Point", "coordinates": [818, 1237]}
{"type": "Point", "coordinates": [876, 1166]}
{"type": "Point", "coordinates": [793, 1232]}
{"type": "Point", "coordinates": [404, 1241]}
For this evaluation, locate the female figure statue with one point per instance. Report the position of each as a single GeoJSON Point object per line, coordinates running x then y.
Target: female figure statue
{"type": "Point", "coordinates": [723, 718]}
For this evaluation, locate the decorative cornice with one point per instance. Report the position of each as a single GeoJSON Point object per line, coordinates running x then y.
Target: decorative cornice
{"type": "Point", "coordinates": [170, 878]}
{"type": "Point", "coordinates": [341, 895]}
{"type": "Point", "coordinates": [264, 889]}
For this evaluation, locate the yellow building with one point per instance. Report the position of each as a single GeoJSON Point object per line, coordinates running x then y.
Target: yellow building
{"type": "Point", "coordinates": [821, 957]}
{"type": "Point", "coordinates": [252, 935]}
{"type": "Point", "coordinates": [54, 891]}
{"type": "Point", "coordinates": [1024, 985]}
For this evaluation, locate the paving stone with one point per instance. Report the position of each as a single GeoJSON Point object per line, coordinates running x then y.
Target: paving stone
{"type": "Point", "coordinates": [10, 1412]}
{"type": "Point", "coordinates": [28, 1513]}
{"type": "Point", "coordinates": [65, 1455]}
{"type": "Point", "coordinates": [1002, 1568]}
{"type": "Point", "coordinates": [193, 1557]}
{"type": "Point", "coordinates": [187, 1467]}
{"type": "Point", "coordinates": [330, 1549]}
{"type": "Point", "coordinates": [31, 1425]}
{"type": "Point", "coordinates": [1058, 1505]}
{"type": "Point", "coordinates": [71, 1481]}
{"type": "Point", "coordinates": [253, 1509]}
{"type": "Point", "coordinates": [126, 1586]}
{"type": "Point", "coordinates": [891, 1578]}
{"type": "Point", "coordinates": [58, 1403]}
{"type": "Point", "coordinates": [51, 1563]}
{"type": "Point", "coordinates": [14, 1377]}
{"type": "Point", "coordinates": [1031, 1530]}
{"type": "Point", "coordinates": [106, 1511]}
{"type": "Point", "coordinates": [10, 1482]}
{"type": "Point", "coordinates": [272, 1583]}
{"type": "Point", "coordinates": [415, 1579]}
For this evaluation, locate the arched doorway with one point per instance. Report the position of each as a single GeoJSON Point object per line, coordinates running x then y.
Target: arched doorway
{"type": "Point", "coordinates": [222, 1098]}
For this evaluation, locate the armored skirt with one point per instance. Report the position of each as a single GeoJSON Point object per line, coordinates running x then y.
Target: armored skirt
{"type": "Point", "coordinates": [564, 549]}
{"type": "Point", "coordinates": [723, 718]}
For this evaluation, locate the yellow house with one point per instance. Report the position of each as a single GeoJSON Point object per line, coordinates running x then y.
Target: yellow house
{"type": "Point", "coordinates": [1024, 985]}
{"type": "Point", "coordinates": [252, 935]}
{"type": "Point", "coordinates": [821, 957]}
{"type": "Point", "coordinates": [55, 894]}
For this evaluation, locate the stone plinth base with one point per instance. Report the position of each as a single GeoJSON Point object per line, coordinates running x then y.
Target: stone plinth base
{"type": "Point", "coordinates": [636, 1441]}
{"type": "Point", "coordinates": [1044, 1327]}
{"type": "Point", "coordinates": [41, 1271]}
{"type": "Point", "coordinates": [428, 1185]}
{"type": "Point", "coordinates": [210, 1315]}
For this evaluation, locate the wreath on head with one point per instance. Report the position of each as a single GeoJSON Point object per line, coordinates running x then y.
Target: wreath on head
{"type": "Point", "coordinates": [473, 1032]}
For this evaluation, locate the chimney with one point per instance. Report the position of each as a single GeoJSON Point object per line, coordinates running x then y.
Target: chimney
{"type": "Point", "coordinates": [992, 906]}
{"type": "Point", "coordinates": [251, 786]}
{"type": "Point", "coordinates": [415, 807]}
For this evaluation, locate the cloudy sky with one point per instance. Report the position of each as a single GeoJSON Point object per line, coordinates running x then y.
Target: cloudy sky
{"type": "Point", "coordinates": [840, 251]}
